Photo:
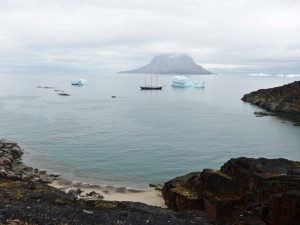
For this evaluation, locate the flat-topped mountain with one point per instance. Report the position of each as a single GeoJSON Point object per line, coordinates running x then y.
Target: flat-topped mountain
{"type": "Point", "coordinates": [171, 64]}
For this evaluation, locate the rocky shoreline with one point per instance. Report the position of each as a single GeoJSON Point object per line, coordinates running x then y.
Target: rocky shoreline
{"type": "Point", "coordinates": [26, 199]}
{"type": "Point", "coordinates": [244, 191]}
{"type": "Point", "coordinates": [283, 101]}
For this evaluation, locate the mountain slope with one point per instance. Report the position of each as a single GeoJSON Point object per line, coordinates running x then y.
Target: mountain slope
{"type": "Point", "coordinates": [171, 64]}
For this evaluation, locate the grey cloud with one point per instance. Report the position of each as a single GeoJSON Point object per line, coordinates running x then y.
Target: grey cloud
{"type": "Point", "coordinates": [120, 35]}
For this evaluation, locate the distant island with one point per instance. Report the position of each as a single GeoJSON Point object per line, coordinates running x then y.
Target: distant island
{"type": "Point", "coordinates": [171, 64]}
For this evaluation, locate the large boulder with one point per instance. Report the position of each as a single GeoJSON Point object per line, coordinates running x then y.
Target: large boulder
{"type": "Point", "coordinates": [243, 191]}
{"type": "Point", "coordinates": [16, 152]}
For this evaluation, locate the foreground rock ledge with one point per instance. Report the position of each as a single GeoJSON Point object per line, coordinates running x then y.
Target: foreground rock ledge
{"type": "Point", "coordinates": [26, 199]}
{"type": "Point", "coordinates": [243, 191]}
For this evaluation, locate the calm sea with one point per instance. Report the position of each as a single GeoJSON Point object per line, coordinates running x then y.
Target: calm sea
{"type": "Point", "coordinates": [139, 137]}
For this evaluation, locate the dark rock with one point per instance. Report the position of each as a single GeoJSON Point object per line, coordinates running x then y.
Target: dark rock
{"type": "Point", "coordinates": [9, 144]}
{"type": "Point", "coordinates": [157, 187]}
{"type": "Point", "coordinates": [16, 152]}
{"type": "Point", "coordinates": [171, 64]}
{"type": "Point", "coordinates": [260, 114]}
{"type": "Point", "coordinates": [241, 191]}
{"type": "Point", "coordinates": [296, 122]}
{"type": "Point", "coordinates": [54, 176]}
{"type": "Point", "coordinates": [285, 98]}
{"type": "Point", "coordinates": [73, 194]}
{"type": "Point", "coordinates": [92, 193]}
{"type": "Point", "coordinates": [63, 94]}
{"type": "Point", "coordinates": [5, 161]}
{"type": "Point", "coordinates": [46, 87]}
{"type": "Point", "coordinates": [28, 169]}
{"type": "Point", "coordinates": [46, 179]}
{"type": "Point", "coordinates": [285, 208]}
{"type": "Point", "coordinates": [3, 172]}
{"type": "Point", "coordinates": [30, 185]}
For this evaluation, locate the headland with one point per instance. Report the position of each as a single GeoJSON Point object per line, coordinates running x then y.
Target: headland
{"type": "Point", "coordinates": [282, 101]}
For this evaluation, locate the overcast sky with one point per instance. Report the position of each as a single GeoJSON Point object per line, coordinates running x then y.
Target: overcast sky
{"type": "Point", "coordinates": [114, 35]}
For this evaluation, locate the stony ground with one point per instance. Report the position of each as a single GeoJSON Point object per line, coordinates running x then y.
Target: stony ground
{"type": "Point", "coordinates": [24, 202]}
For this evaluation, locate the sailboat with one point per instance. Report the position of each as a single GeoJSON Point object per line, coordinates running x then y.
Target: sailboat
{"type": "Point", "coordinates": [151, 87]}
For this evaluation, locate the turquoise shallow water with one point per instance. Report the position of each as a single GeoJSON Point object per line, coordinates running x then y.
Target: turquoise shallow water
{"type": "Point", "coordinates": [138, 137]}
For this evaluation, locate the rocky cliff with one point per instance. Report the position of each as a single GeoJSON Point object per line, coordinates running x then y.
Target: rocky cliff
{"type": "Point", "coordinates": [243, 191]}
{"type": "Point", "coordinates": [171, 64]}
{"type": "Point", "coordinates": [279, 99]}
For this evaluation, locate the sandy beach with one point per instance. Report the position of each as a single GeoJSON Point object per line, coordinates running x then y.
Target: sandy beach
{"type": "Point", "coordinates": [150, 197]}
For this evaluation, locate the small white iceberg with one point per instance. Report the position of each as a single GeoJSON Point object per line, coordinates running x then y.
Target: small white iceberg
{"type": "Point", "coordinates": [183, 81]}
{"type": "Point", "coordinates": [79, 82]}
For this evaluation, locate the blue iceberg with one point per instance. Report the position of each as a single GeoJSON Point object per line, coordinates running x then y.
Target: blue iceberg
{"type": "Point", "coordinates": [198, 84]}
{"type": "Point", "coordinates": [183, 81]}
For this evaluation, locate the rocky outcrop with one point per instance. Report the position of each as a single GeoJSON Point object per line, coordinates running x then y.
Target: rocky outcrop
{"type": "Point", "coordinates": [243, 191]}
{"type": "Point", "coordinates": [11, 166]}
{"type": "Point", "coordinates": [171, 64]}
{"type": "Point", "coordinates": [279, 99]}
{"type": "Point", "coordinates": [25, 198]}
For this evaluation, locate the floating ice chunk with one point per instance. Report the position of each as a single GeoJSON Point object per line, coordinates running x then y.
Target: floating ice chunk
{"type": "Point", "coordinates": [79, 82]}
{"type": "Point", "coordinates": [183, 81]}
{"type": "Point", "coordinates": [198, 84]}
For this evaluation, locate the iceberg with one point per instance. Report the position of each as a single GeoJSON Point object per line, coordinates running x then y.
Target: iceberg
{"type": "Point", "coordinates": [198, 84]}
{"type": "Point", "coordinates": [79, 82]}
{"type": "Point", "coordinates": [183, 81]}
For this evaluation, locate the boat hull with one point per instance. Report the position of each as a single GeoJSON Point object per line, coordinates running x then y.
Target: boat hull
{"type": "Point", "coordinates": [150, 88]}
